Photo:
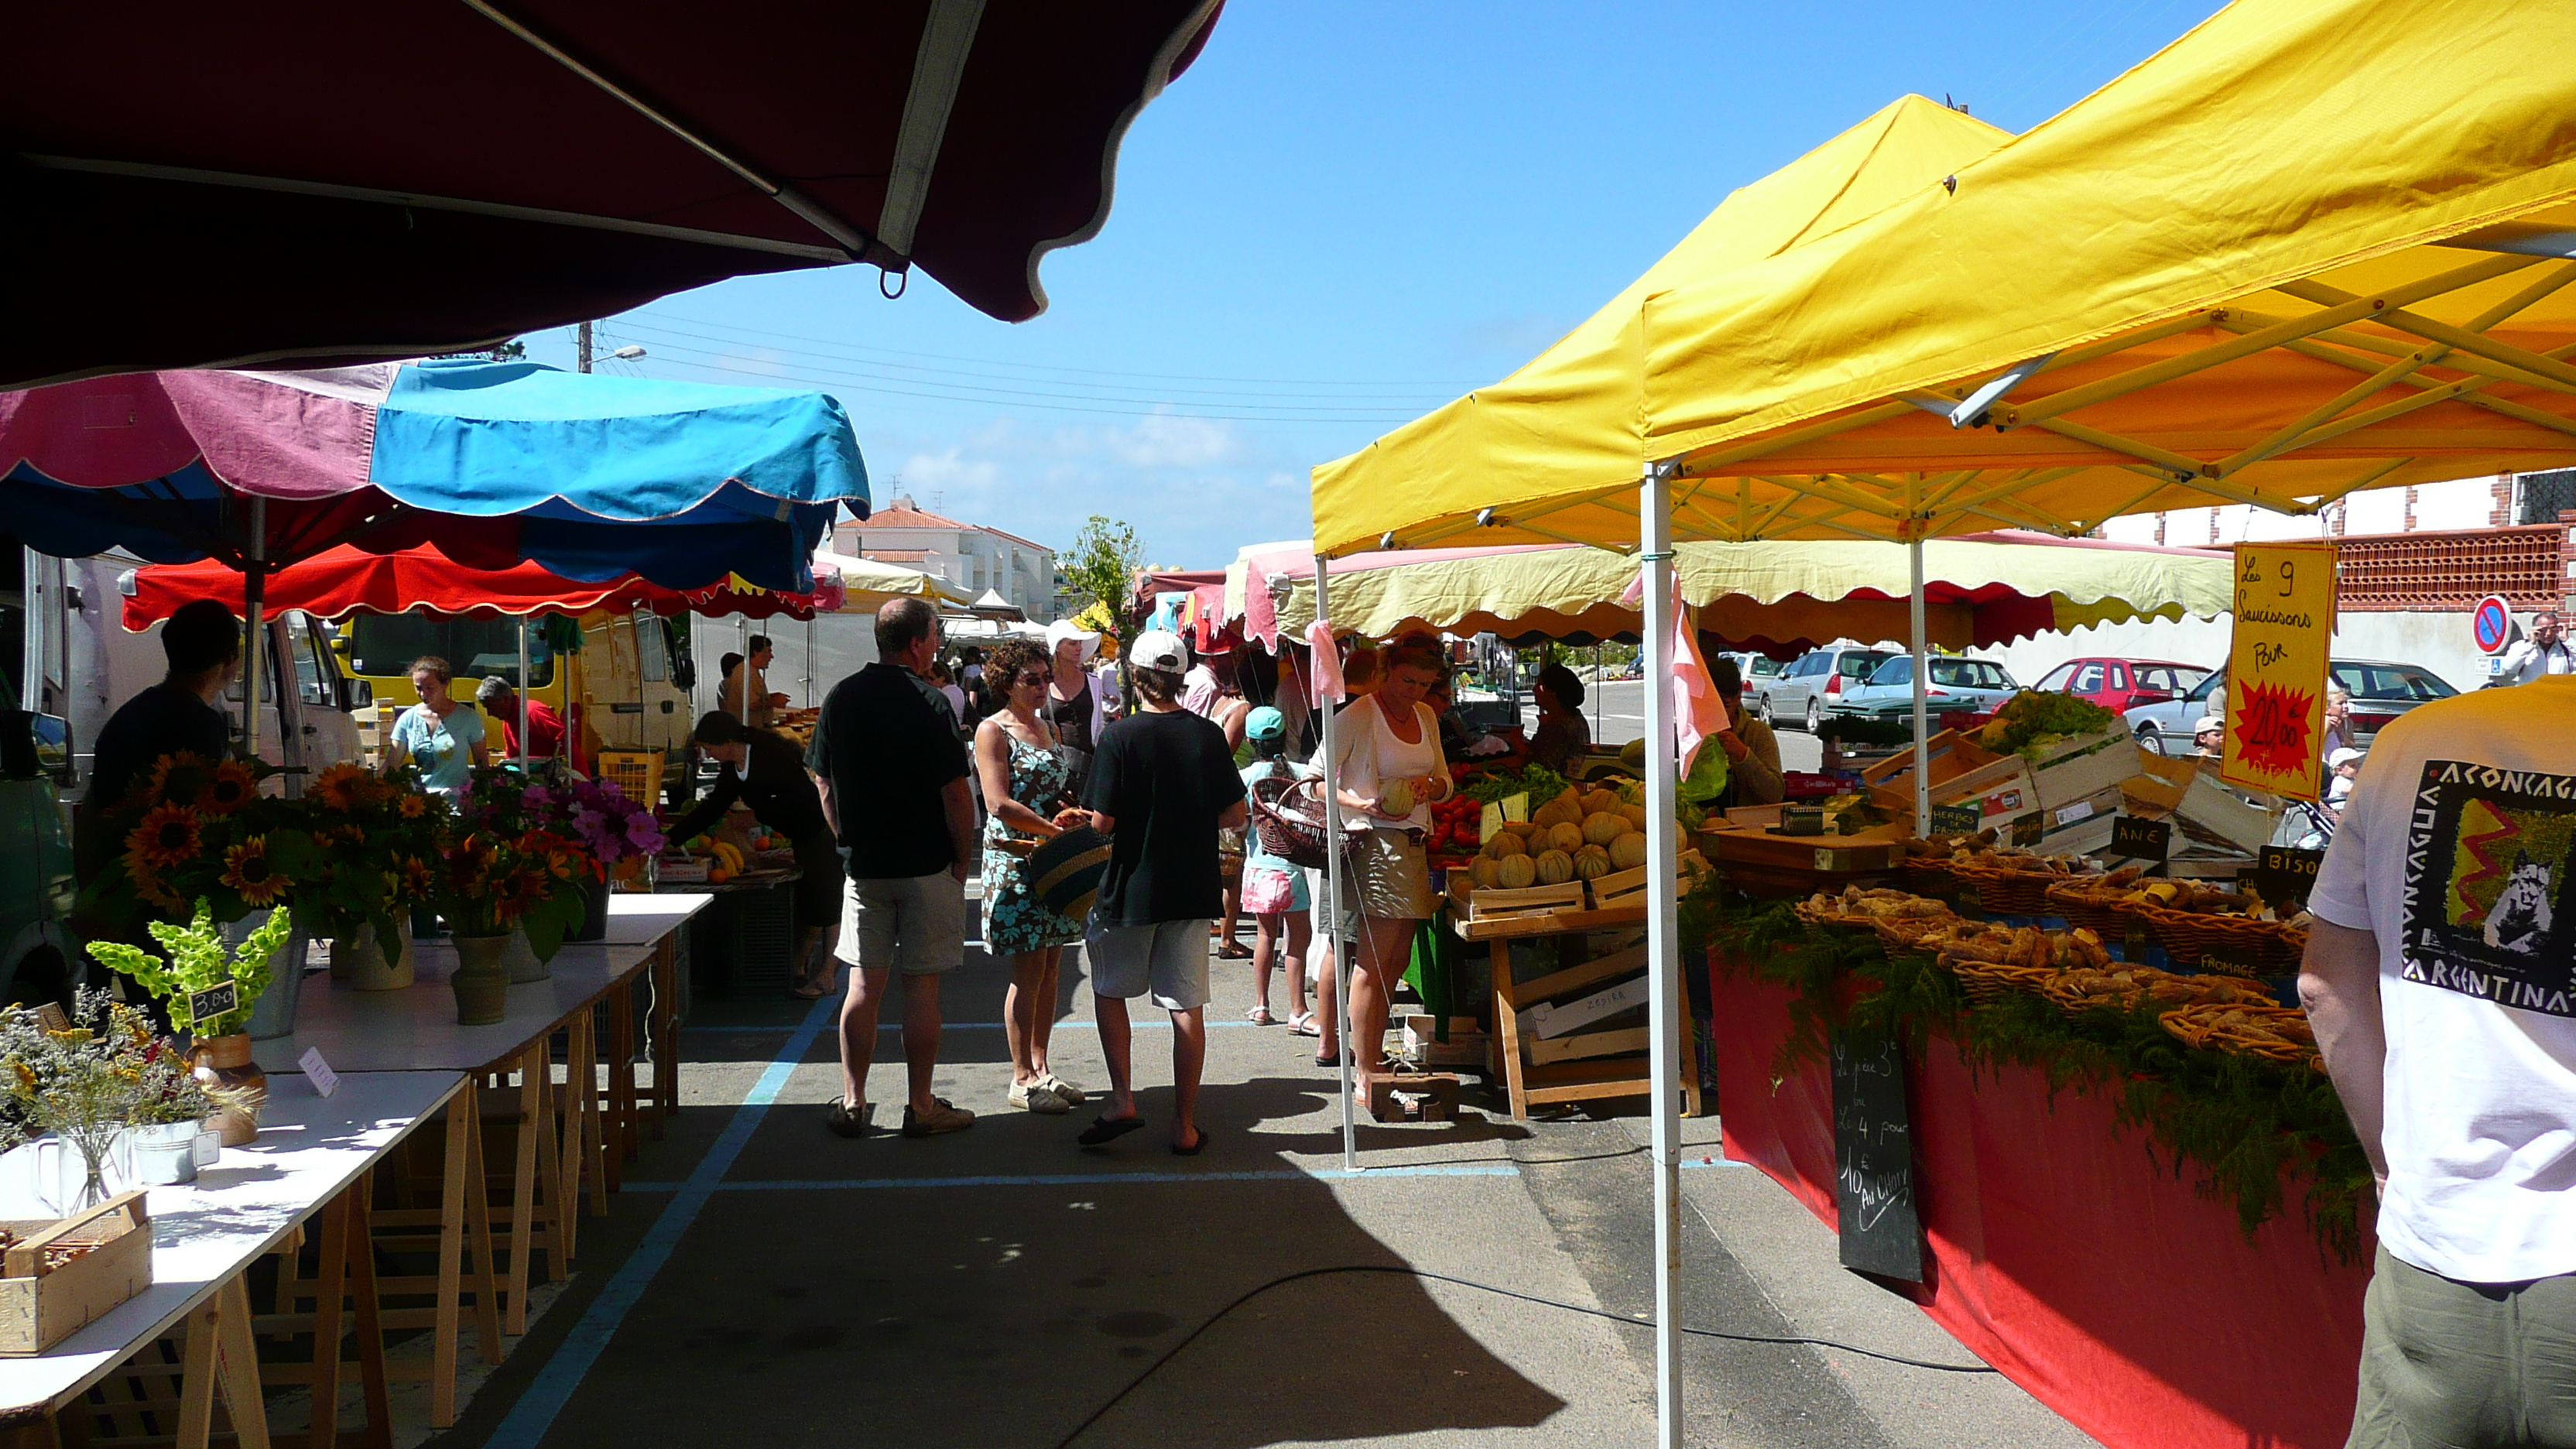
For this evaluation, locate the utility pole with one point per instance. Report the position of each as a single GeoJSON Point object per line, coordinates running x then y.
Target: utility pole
{"type": "Point", "coordinates": [581, 348]}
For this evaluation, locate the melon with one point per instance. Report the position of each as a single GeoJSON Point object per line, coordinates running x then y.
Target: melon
{"type": "Point", "coordinates": [1514, 872]}
{"type": "Point", "coordinates": [1557, 812]}
{"type": "Point", "coordinates": [1396, 798]}
{"type": "Point", "coordinates": [1602, 829]}
{"type": "Point", "coordinates": [1555, 867]}
{"type": "Point", "coordinates": [1629, 851]}
{"type": "Point", "coordinates": [1564, 836]}
{"type": "Point", "coordinates": [1635, 815]}
{"type": "Point", "coordinates": [1486, 872]}
{"type": "Point", "coordinates": [1596, 800]}
{"type": "Point", "coordinates": [1504, 843]}
{"type": "Point", "coordinates": [1591, 863]}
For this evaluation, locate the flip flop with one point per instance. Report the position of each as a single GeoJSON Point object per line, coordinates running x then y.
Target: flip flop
{"type": "Point", "coordinates": [1195, 1148]}
{"type": "Point", "coordinates": [1104, 1130]}
{"type": "Point", "coordinates": [806, 991]}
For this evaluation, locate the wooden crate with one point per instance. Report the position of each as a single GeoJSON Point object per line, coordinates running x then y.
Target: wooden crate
{"type": "Point", "coordinates": [41, 1305]}
{"type": "Point", "coordinates": [1495, 903]}
{"type": "Point", "coordinates": [1590, 1044]}
{"type": "Point", "coordinates": [1464, 1048]}
{"type": "Point", "coordinates": [1952, 753]}
{"type": "Point", "coordinates": [1412, 1096]}
{"type": "Point", "coordinates": [2083, 766]}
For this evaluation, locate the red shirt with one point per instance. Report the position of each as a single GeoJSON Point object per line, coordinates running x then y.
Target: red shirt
{"type": "Point", "coordinates": [545, 732]}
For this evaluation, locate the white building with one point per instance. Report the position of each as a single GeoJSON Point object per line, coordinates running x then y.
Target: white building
{"type": "Point", "coordinates": [972, 557]}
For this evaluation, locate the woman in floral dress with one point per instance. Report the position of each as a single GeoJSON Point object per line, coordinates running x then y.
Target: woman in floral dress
{"type": "Point", "coordinates": [1024, 781]}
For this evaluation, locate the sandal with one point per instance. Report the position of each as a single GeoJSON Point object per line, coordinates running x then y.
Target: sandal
{"type": "Point", "coordinates": [1234, 951]}
{"type": "Point", "coordinates": [1303, 1024]}
{"type": "Point", "coordinates": [1195, 1148]}
{"type": "Point", "coordinates": [1260, 1016]}
{"type": "Point", "coordinates": [1105, 1130]}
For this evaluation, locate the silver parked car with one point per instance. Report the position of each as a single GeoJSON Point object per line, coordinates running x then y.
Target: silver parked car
{"type": "Point", "coordinates": [2381, 691]}
{"type": "Point", "coordinates": [1950, 686]}
{"type": "Point", "coordinates": [1814, 681]}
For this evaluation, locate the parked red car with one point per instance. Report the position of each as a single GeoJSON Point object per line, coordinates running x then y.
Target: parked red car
{"type": "Point", "coordinates": [2120, 685]}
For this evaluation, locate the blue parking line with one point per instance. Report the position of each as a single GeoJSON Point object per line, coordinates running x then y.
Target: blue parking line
{"type": "Point", "coordinates": [1156, 1025]}
{"type": "Point", "coordinates": [1098, 1179]}
{"type": "Point", "coordinates": [529, 1419]}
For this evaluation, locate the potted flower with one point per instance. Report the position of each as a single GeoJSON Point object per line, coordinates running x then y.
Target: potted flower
{"type": "Point", "coordinates": [533, 821]}
{"type": "Point", "coordinates": [488, 884]}
{"type": "Point", "coordinates": [371, 841]}
{"type": "Point", "coordinates": [198, 961]}
{"type": "Point", "coordinates": [619, 832]}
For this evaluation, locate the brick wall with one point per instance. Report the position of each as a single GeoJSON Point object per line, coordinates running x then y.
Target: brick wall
{"type": "Point", "coordinates": [2428, 571]}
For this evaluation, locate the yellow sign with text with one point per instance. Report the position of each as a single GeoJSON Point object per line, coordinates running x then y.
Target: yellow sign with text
{"type": "Point", "coordinates": [2276, 673]}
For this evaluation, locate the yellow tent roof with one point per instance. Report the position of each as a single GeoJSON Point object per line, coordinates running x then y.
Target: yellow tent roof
{"type": "Point", "coordinates": [1574, 411]}
{"type": "Point", "coordinates": [2311, 246]}
{"type": "Point", "coordinates": [873, 583]}
{"type": "Point", "coordinates": [1781, 591]}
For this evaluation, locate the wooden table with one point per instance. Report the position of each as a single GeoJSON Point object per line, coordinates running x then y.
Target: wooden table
{"type": "Point", "coordinates": [583, 1132]}
{"type": "Point", "coordinates": [1526, 1083]}
{"type": "Point", "coordinates": [312, 1151]}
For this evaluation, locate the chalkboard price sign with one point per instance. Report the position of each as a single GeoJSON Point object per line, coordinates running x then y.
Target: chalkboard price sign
{"type": "Point", "coordinates": [1956, 820]}
{"type": "Point", "coordinates": [2029, 830]}
{"type": "Point", "coordinates": [2287, 873]}
{"type": "Point", "coordinates": [214, 1001]}
{"type": "Point", "coordinates": [1874, 1159]}
{"type": "Point", "coordinates": [2141, 839]}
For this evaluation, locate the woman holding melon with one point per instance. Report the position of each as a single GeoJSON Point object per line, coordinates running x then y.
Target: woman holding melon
{"type": "Point", "coordinates": [1025, 776]}
{"type": "Point", "coordinates": [1387, 765]}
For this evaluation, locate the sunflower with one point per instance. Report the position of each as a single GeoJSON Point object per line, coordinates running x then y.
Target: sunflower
{"type": "Point", "coordinates": [248, 869]}
{"type": "Point", "coordinates": [338, 787]}
{"type": "Point", "coordinates": [230, 788]}
{"type": "Point", "coordinates": [519, 894]}
{"type": "Point", "coordinates": [181, 776]}
{"type": "Point", "coordinates": [149, 887]}
{"type": "Point", "coordinates": [413, 805]}
{"type": "Point", "coordinates": [416, 878]}
{"type": "Point", "coordinates": [167, 838]}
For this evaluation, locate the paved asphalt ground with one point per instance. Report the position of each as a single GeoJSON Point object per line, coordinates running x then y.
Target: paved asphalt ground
{"type": "Point", "coordinates": [763, 1283]}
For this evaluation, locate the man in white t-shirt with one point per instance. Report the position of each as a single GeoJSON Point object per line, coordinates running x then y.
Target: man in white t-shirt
{"type": "Point", "coordinates": [2546, 652]}
{"type": "Point", "coordinates": [2441, 979]}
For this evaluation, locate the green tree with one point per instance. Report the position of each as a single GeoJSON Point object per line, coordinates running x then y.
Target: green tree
{"type": "Point", "coordinates": [1104, 556]}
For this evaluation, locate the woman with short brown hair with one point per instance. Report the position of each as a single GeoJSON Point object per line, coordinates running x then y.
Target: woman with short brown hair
{"type": "Point", "coordinates": [1388, 737]}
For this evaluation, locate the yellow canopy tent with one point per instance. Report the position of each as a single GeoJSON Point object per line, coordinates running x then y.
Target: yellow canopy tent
{"type": "Point", "coordinates": [873, 583]}
{"type": "Point", "coordinates": [1984, 589]}
{"type": "Point", "coordinates": [1574, 410]}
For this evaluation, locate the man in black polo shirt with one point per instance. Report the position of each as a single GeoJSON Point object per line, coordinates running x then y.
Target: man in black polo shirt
{"type": "Point", "coordinates": [765, 771]}
{"type": "Point", "coordinates": [202, 642]}
{"type": "Point", "coordinates": [892, 775]}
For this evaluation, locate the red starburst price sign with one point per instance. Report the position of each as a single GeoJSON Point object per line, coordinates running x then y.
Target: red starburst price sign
{"type": "Point", "coordinates": [2276, 674]}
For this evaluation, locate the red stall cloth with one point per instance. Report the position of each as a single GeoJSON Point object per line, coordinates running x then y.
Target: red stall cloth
{"type": "Point", "coordinates": [346, 579]}
{"type": "Point", "coordinates": [2064, 1253]}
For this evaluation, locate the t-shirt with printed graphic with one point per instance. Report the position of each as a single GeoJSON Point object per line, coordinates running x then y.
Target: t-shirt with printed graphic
{"type": "Point", "coordinates": [2455, 851]}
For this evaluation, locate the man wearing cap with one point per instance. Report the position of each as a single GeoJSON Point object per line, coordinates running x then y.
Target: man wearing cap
{"type": "Point", "coordinates": [891, 771]}
{"type": "Point", "coordinates": [1162, 786]}
{"type": "Point", "coordinates": [2546, 652]}
{"type": "Point", "coordinates": [765, 771]}
{"type": "Point", "coordinates": [2342, 768]}
{"type": "Point", "coordinates": [1203, 686]}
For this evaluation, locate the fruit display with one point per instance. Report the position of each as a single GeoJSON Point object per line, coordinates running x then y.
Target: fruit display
{"type": "Point", "coordinates": [1454, 825]}
{"type": "Point", "coordinates": [2029, 722]}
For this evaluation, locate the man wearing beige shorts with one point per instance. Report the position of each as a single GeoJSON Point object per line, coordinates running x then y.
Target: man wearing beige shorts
{"type": "Point", "coordinates": [893, 778]}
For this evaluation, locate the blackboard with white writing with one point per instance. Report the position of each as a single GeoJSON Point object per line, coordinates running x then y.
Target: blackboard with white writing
{"type": "Point", "coordinates": [2287, 873]}
{"type": "Point", "coordinates": [1874, 1159]}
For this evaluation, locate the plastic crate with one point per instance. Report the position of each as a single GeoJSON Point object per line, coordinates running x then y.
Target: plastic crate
{"type": "Point", "coordinates": [637, 773]}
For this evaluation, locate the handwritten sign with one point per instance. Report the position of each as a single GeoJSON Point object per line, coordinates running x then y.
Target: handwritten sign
{"type": "Point", "coordinates": [2276, 674]}
{"type": "Point", "coordinates": [2286, 873]}
{"type": "Point", "coordinates": [213, 1002]}
{"type": "Point", "coordinates": [1956, 820]}
{"type": "Point", "coordinates": [2029, 830]}
{"type": "Point", "coordinates": [2138, 839]}
{"type": "Point", "coordinates": [1874, 1159]}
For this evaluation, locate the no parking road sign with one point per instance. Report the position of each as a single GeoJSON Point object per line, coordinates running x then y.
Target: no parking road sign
{"type": "Point", "coordinates": [2492, 623]}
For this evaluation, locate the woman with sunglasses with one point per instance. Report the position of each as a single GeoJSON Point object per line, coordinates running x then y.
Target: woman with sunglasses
{"type": "Point", "coordinates": [1025, 778]}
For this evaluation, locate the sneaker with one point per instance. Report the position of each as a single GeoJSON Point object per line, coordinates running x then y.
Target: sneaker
{"type": "Point", "coordinates": [1073, 1096]}
{"type": "Point", "coordinates": [847, 1121]}
{"type": "Point", "coordinates": [1034, 1097]}
{"type": "Point", "coordinates": [940, 1118]}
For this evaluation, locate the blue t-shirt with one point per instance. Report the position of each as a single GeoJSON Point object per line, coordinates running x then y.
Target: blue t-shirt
{"type": "Point", "coordinates": [441, 749]}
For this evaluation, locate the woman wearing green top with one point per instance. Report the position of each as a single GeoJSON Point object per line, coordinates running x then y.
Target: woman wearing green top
{"type": "Point", "coordinates": [441, 737]}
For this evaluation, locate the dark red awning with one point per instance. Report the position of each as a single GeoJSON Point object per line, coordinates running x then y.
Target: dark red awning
{"type": "Point", "coordinates": [348, 580]}
{"type": "Point", "coordinates": [208, 185]}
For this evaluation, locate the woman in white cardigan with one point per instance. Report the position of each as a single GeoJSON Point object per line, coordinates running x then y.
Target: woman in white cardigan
{"type": "Point", "coordinates": [1387, 736]}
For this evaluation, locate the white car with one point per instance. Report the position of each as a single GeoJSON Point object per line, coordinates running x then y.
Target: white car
{"type": "Point", "coordinates": [1951, 686]}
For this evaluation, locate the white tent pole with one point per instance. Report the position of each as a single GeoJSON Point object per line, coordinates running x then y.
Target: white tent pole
{"type": "Point", "coordinates": [255, 592]}
{"type": "Point", "coordinates": [1333, 885]}
{"type": "Point", "coordinates": [1663, 946]}
{"type": "Point", "coordinates": [522, 692]}
{"type": "Point", "coordinates": [1922, 724]}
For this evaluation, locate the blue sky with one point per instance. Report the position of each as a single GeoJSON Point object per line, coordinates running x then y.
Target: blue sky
{"type": "Point", "coordinates": [1340, 217]}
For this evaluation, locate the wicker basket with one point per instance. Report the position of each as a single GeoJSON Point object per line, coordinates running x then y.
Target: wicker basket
{"type": "Point", "coordinates": [1809, 912]}
{"type": "Point", "coordinates": [2191, 937]}
{"type": "Point", "coordinates": [1986, 980]}
{"type": "Point", "coordinates": [1908, 933]}
{"type": "Point", "coordinates": [2008, 892]}
{"type": "Point", "coordinates": [1928, 875]}
{"type": "Point", "coordinates": [2084, 904]}
{"type": "Point", "coordinates": [2203, 1026]}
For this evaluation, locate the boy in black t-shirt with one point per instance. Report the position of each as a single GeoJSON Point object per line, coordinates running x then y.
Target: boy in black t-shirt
{"type": "Point", "coordinates": [1162, 785]}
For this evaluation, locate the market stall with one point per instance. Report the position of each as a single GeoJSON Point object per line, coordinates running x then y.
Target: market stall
{"type": "Point", "coordinates": [2019, 344]}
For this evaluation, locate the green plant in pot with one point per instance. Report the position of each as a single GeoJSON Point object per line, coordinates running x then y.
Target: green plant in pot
{"type": "Point", "coordinates": [197, 962]}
